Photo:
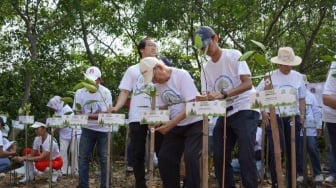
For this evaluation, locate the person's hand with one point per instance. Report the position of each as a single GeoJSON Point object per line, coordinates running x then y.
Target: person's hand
{"type": "Point", "coordinates": [319, 132]}
{"type": "Point", "coordinates": [112, 109]}
{"type": "Point", "coordinates": [165, 128]}
{"type": "Point", "coordinates": [201, 98]}
{"type": "Point", "coordinates": [214, 95]}
{"type": "Point", "coordinates": [302, 120]}
{"type": "Point", "coordinates": [265, 118]}
{"type": "Point", "coordinates": [18, 159]}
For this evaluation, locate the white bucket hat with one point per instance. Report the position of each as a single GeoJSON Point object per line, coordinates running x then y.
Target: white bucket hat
{"type": "Point", "coordinates": [286, 56]}
{"type": "Point", "coordinates": [55, 103]}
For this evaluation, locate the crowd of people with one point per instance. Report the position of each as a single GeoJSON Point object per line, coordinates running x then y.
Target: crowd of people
{"type": "Point", "coordinates": [223, 77]}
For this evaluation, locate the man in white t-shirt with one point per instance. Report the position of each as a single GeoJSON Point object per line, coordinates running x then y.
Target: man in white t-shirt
{"type": "Point", "coordinates": [93, 103]}
{"type": "Point", "coordinates": [133, 83]}
{"type": "Point", "coordinates": [68, 136]}
{"type": "Point", "coordinates": [329, 113]}
{"type": "Point", "coordinates": [285, 77]}
{"type": "Point", "coordinates": [40, 154]}
{"type": "Point", "coordinates": [183, 135]}
{"type": "Point", "coordinates": [224, 77]}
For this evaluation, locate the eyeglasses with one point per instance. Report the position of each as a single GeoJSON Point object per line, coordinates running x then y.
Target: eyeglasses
{"type": "Point", "coordinates": [151, 44]}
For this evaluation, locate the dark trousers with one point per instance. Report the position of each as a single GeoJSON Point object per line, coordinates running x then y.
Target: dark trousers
{"type": "Point", "coordinates": [138, 141]}
{"type": "Point", "coordinates": [332, 132]}
{"type": "Point", "coordinates": [285, 144]}
{"type": "Point", "coordinates": [181, 139]}
{"type": "Point", "coordinates": [241, 128]}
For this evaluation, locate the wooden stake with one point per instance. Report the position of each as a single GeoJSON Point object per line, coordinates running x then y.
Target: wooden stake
{"type": "Point", "coordinates": [50, 156]}
{"type": "Point", "coordinates": [108, 156]}
{"type": "Point", "coordinates": [205, 158]}
{"type": "Point", "coordinates": [275, 135]}
{"type": "Point", "coordinates": [224, 151]}
{"type": "Point", "coordinates": [262, 154]}
{"type": "Point", "coordinates": [126, 148]}
{"type": "Point", "coordinates": [151, 149]}
{"type": "Point", "coordinates": [293, 152]}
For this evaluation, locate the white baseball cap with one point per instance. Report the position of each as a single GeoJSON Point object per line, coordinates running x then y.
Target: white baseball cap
{"type": "Point", "coordinates": [93, 73]}
{"type": "Point", "coordinates": [38, 124]}
{"type": "Point", "coordinates": [146, 66]}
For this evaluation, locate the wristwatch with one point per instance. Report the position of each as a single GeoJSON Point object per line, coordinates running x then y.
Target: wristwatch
{"type": "Point", "coordinates": [224, 93]}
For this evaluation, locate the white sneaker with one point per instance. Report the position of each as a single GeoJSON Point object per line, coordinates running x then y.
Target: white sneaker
{"type": "Point", "coordinates": [330, 179]}
{"type": "Point", "coordinates": [54, 176]}
{"type": "Point", "coordinates": [299, 179]}
{"type": "Point", "coordinates": [25, 179]}
{"type": "Point", "coordinates": [20, 170]}
{"type": "Point", "coordinates": [318, 178]}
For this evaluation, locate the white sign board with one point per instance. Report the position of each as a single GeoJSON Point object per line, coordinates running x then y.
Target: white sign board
{"type": "Point", "coordinates": [208, 108]}
{"type": "Point", "coordinates": [26, 119]}
{"type": "Point", "coordinates": [283, 99]}
{"type": "Point", "coordinates": [17, 125]}
{"type": "Point", "coordinates": [54, 122]}
{"type": "Point", "coordinates": [111, 119]}
{"type": "Point", "coordinates": [74, 120]}
{"type": "Point", "coordinates": [154, 117]}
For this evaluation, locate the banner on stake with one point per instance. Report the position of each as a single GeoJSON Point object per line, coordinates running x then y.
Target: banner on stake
{"type": "Point", "coordinates": [154, 117]}
{"type": "Point", "coordinates": [74, 120]}
{"type": "Point", "coordinates": [283, 99]}
{"type": "Point", "coordinates": [209, 108]}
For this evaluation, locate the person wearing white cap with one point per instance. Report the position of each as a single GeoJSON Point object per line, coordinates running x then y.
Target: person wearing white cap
{"type": "Point", "coordinates": [329, 116]}
{"type": "Point", "coordinates": [183, 134]}
{"type": "Point", "coordinates": [91, 104]}
{"type": "Point", "coordinates": [68, 136]}
{"type": "Point", "coordinates": [313, 126]}
{"type": "Point", "coordinates": [40, 154]}
{"type": "Point", "coordinates": [285, 77]}
{"type": "Point", "coordinates": [224, 77]}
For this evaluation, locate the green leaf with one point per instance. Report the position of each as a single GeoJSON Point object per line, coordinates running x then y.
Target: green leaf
{"type": "Point", "coordinates": [67, 100]}
{"type": "Point", "coordinates": [328, 58]}
{"type": "Point", "coordinates": [91, 88]}
{"type": "Point", "coordinates": [246, 55]}
{"type": "Point", "coordinates": [260, 59]}
{"type": "Point", "coordinates": [68, 113]}
{"type": "Point", "coordinates": [198, 41]}
{"type": "Point", "coordinates": [260, 45]}
{"type": "Point", "coordinates": [80, 85]}
{"type": "Point", "coordinates": [78, 107]}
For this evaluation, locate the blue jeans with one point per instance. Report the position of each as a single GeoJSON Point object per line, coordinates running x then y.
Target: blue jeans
{"type": "Point", "coordinates": [314, 155]}
{"type": "Point", "coordinates": [4, 164]}
{"type": "Point", "coordinates": [241, 128]}
{"type": "Point", "coordinates": [285, 144]}
{"type": "Point", "coordinates": [236, 167]}
{"type": "Point", "coordinates": [88, 140]}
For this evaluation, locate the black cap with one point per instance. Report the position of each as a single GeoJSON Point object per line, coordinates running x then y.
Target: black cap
{"type": "Point", "coordinates": [167, 62]}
